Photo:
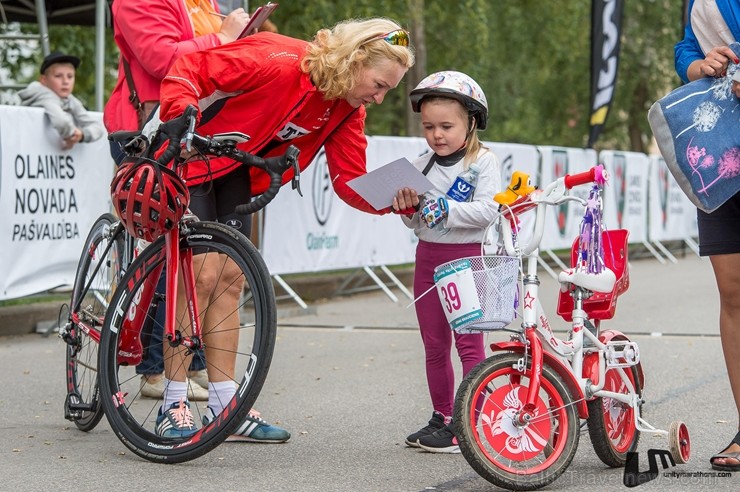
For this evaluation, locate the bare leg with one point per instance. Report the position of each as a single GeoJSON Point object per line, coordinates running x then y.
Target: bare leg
{"type": "Point", "coordinates": [218, 286]}
{"type": "Point", "coordinates": [727, 273]}
{"type": "Point", "coordinates": [221, 321]}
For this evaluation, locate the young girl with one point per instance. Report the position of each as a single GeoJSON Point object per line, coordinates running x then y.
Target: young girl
{"type": "Point", "coordinates": [452, 107]}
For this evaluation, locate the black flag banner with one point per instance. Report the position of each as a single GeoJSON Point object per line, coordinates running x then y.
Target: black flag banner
{"type": "Point", "coordinates": [606, 30]}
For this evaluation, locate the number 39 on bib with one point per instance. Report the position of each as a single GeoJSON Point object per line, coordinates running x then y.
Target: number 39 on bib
{"type": "Point", "coordinates": [457, 292]}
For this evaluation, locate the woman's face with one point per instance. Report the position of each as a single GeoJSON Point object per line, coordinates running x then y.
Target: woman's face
{"type": "Point", "coordinates": [445, 125]}
{"type": "Point", "coordinates": [374, 82]}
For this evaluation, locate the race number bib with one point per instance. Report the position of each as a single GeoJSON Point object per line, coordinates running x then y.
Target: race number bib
{"type": "Point", "coordinates": [458, 294]}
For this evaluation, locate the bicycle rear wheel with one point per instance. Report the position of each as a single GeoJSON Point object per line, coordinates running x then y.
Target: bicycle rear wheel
{"type": "Point", "coordinates": [611, 423]}
{"type": "Point", "coordinates": [512, 456]}
{"type": "Point", "coordinates": [131, 416]}
{"type": "Point", "coordinates": [98, 272]}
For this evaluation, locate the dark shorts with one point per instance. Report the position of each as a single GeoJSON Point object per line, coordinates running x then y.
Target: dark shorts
{"type": "Point", "coordinates": [216, 200]}
{"type": "Point", "coordinates": [719, 232]}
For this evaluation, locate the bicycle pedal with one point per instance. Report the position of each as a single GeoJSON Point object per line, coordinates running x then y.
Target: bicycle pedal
{"type": "Point", "coordinates": [621, 353]}
{"type": "Point", "coordinates": [73, 407]}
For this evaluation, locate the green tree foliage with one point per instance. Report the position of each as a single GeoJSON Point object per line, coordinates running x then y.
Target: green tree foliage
{"type": "Point", "coordinates": [22, 58]}
{"type": "Point", "coordinates": [532, 59]}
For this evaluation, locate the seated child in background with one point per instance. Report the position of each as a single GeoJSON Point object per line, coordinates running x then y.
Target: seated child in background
{"type": "Point", "coordinates": [53, 92]}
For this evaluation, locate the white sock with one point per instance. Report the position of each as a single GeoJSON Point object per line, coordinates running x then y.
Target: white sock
{"type": "Point", "coordinates": [174, 391]}
{"type": "Point", "coordinates": [219, 394]}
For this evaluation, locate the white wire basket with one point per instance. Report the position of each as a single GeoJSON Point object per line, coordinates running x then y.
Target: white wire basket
{"type": "Point", "coordinates": [478, 293]}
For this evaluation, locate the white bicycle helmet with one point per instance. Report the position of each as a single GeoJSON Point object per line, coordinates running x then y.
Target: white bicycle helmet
{"type": "Point", "coordinates": [455, 85]}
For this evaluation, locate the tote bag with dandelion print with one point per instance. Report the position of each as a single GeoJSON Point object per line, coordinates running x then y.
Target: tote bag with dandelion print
{"type": "Point", "coordinates": [697, 129]}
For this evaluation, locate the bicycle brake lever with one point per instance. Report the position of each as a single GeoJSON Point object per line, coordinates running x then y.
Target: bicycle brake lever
{"type": "Point", "coordinates": [189, 134]}
{"type": "Point", "coordinates": [291, 156]}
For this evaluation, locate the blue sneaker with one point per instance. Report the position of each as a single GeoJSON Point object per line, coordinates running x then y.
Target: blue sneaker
{"type": "Point", "coordinates": [176, 422]}
{"type": "Point", "coordinates": [254, 429]}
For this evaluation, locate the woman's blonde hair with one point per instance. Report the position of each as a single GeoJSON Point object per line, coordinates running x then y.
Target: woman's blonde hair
{"type": "Point", "coordinates": [336, 55]}
{"type": "Point", "coordinates": [472, 144]}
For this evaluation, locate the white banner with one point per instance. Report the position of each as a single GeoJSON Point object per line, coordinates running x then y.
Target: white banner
{"type": "Point", "coordinates": [563, 222]}
{"type": "Point", "coordinates": [320, 232]}
{"type": "Point", "coordinates": [672, 215]}
{"type": "Point", "coordinates": [523, 158]}
{"type": "Point", "coordinates": [626, 193]}
{"type": "Point", "coordinates": [49, 198]}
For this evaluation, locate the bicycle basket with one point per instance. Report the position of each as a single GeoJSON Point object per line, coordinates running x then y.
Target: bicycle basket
{"type": "Point", "coordinates": [478, 293]}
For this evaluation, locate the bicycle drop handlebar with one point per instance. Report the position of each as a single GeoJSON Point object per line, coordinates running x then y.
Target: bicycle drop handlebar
{"type": "Point", "coordinates": [182, 130]}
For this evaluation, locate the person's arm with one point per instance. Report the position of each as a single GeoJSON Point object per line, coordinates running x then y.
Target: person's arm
{"type": "Point", "coordinates": [92, 129]}
{"type": "Point", "coordinates": [692, 63]}
{"type": "Point", "coordinates": [61, 120]}
{"type": "Point", "coordinates": [687, 50]}
{"type": "Point", "coordinates": [157, 33]}
{"type": "Point", "coordinates": [346, 159]}
{"type": "Point", "coordinates": [229, 68]}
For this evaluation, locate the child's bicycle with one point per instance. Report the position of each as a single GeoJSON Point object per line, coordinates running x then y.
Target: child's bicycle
{"type": "Point", "coordinates": [517, 413]}
{"type": "Point", "coordinates": [110, 307]}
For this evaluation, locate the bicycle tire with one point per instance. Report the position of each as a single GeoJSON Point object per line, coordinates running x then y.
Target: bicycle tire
{"type": "Point", "coordinates": [132, 417]}
{"type": "Point", "coordinates": [515, 457]}
{"type": "Point", "coordinates": [611, 424]}
{"type": "Point", "coordinates": [98, 272]}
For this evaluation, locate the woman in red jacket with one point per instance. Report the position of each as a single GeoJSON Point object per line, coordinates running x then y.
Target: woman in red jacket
{"type": "Point", "coordinates": [280, 91]}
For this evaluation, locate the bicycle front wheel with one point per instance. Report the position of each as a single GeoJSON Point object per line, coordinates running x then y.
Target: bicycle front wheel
{"type": "Point", "coordinates": [507, 454]}
{"type": "Point", "coordinates": [98, 272]}
{"type": "Point", "coordinates": [251, 323]}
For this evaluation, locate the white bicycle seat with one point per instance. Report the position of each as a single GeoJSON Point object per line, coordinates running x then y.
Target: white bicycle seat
{"type": "Point", "coordinates": [595, 282]}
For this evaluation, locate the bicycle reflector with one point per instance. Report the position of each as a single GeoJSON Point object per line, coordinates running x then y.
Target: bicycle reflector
{"type": "Point", "coordinates": [149, 198]}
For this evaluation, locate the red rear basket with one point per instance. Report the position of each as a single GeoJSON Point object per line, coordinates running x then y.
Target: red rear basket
{"type": "Point", "coordinates": [601, 305]}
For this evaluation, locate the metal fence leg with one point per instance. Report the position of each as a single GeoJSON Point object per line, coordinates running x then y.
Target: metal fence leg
{"type": "Point", "coordinates": [396, 281]}
{"type": "Point", "coordinates": [290, 291]}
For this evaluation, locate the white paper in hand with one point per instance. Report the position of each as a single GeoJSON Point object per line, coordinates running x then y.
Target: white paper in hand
{"type": "Point", "coordinates": [380, 186]}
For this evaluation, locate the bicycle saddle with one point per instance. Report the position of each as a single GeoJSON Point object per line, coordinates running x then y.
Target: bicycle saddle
{"type": "Point", "coordinates": [595, 282]}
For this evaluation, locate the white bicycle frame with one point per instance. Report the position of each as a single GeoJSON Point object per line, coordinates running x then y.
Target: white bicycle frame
{"type": "Point", "coordinates": [571, 352]}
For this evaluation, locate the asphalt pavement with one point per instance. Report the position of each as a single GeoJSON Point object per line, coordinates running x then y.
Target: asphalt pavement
{"type": "Point", "coordinates": [348, 381]}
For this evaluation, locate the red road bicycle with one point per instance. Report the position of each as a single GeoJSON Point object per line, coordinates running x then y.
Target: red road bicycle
{"type": "Point", "coordinates": [111, 304]}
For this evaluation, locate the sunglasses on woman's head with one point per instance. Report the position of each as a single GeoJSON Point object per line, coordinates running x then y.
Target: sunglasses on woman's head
{"type": "Point", "coordinates": [399, 37]}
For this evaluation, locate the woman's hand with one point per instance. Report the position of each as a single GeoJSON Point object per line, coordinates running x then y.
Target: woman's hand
{"type": "Point", "coordinates": [405, 199]}
{"type": "Point", "coordinates": [233, 25]}
{"type": "Point", "coordinates": [716, 61]}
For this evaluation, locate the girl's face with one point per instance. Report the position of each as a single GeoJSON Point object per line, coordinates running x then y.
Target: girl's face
{"type": "Point", "coordinates": [375, 82]}
{"type": "Point", "coordinates": [60, 78]}
{"type": "Point", "coordinates": [445, 123]}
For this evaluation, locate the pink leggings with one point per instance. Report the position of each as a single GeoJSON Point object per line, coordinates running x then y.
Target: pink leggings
{"type": "Point", "coordinates": [435, 331]}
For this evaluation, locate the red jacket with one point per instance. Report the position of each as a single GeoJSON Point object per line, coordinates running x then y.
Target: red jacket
{"type": "Point", "coordinates": [151, 35]}
{"type": "Point", "coordinates": [255, 86]}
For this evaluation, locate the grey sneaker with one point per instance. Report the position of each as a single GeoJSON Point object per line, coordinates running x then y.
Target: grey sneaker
{"type": "Point", "coordinates": [254, 429]}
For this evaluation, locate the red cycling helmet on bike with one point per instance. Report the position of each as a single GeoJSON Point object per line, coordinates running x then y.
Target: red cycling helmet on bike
{"type": "Point", "coordinates": [149, 198]}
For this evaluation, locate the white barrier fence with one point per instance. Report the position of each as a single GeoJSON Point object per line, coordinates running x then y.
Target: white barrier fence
{"type": "Point", "coordinates": [49, 199]}
{"type": "Point", "coordinates": [43, 230]}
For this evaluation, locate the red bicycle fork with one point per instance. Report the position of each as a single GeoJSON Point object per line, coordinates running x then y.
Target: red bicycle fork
{"type": "Point", "coordinates": [532, 349]}
{"type": "Point", "coordinates": [130, 350]}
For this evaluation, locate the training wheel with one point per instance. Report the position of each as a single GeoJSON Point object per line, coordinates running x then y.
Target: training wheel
{"type": "Point", "coordinates": [679, 442]}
